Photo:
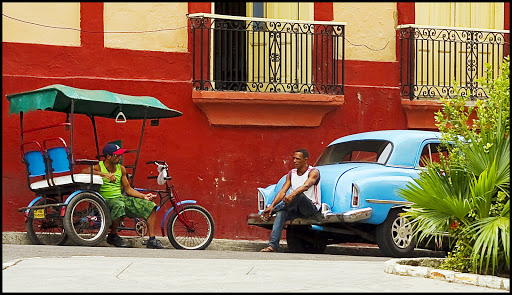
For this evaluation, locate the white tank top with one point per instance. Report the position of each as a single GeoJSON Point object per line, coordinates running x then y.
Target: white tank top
{"type": "Point", "coordinates": [313, 193]}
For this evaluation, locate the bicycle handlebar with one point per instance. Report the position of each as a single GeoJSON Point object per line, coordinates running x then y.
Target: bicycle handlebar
{"type": "Point", "coordinates": [156, 162]}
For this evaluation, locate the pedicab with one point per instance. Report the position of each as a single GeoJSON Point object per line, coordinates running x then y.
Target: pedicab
{"type": "Point", "coordinates": [68, 203]}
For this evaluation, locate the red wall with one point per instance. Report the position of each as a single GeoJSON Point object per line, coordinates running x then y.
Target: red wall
{"type": "Point", "coordinates": [220, 167]}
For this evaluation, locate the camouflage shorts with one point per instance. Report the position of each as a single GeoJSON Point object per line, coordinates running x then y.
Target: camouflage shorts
{"type": "Point", "coordinates": [130, 207]}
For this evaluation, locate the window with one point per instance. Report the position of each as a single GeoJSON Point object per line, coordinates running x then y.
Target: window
{"type": "Point", "coordinates": [482, 15]}
{"type": "Point", "coordinates": [431, 153]}
{"type": "Point", "coordinates": [371, 151]}
{"type": "Point", "coordinates": [257, 11]}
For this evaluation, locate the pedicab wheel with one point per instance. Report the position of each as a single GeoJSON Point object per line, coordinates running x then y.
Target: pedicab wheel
{"type": "Point", "coordinates": [87, 219]}
{"type": "Point", "coordinates": [196, 237]}
{"type": "Point", "coordinates": [46, 228]}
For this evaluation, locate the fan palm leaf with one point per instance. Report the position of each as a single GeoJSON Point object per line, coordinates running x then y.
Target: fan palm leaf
{"type": "Point", "coordinates": [483, 190]}
{"type": "Point", "coordinates": [492, 237]}
{"type": "Point", "coordinates": [436, 199]}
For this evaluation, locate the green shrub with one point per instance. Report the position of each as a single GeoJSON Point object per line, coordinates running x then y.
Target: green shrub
{"type": "Point", "coordinates": [468, 193]}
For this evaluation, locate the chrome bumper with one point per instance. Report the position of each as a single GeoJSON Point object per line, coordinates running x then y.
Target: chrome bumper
{"type": "Point", "coordinates": [357, 215]}
{"type": "Point", "coordinates": [348, 217]}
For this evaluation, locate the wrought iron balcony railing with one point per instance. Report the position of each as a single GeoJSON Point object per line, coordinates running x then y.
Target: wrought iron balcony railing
{"type": "Point", "coordinates": [432, 58]}
{"type": "Point", "coordinates": [267, 55]}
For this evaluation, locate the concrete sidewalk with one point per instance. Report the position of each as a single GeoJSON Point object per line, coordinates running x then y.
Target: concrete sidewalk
{"type": "Point", "coordinates": [149, 274]}
{"type": "Point", "coordinates": [394, 267]}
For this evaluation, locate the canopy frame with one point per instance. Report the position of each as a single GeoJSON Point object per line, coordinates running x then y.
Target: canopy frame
{"type": "Point", "coordinates": [50, 98]}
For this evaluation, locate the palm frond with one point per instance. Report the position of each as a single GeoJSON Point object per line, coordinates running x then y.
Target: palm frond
{"type": "Point", "coordinates": [492, 239]}
{"type": "Point", "coordinates": [483, 189]}
{"type": "Point", "coordinates": [437, 192]}
{"type": "Point", "coordinates": [493, 147]}
{"type": "Point", "coordinates": [428, 224]}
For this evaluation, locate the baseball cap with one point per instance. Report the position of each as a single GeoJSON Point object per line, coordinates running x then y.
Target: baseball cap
{"type": "Point", "coordinates": [113, 149]}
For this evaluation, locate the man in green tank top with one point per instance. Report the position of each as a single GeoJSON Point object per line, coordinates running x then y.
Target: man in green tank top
{"type": "Point", "coordinates": [134, 204]}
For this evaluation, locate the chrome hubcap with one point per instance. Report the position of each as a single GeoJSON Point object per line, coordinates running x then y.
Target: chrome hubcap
{"type": "Point", "coordinates": [401, 232]}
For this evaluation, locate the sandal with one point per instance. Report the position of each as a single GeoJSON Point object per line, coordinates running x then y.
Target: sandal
{"type": "Point", "coordinates": [268, 249]}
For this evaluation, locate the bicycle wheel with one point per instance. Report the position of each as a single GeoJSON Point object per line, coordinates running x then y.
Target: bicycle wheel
{"type": "Point", "coordinates": [196, 237]}
{"type": "Point", "coordinates": [87, 219]}
{"type": "Point", "coordinates": [47, 230]}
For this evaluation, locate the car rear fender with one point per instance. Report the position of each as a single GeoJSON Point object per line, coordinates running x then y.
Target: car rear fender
{"type": "Point", "coordinates": [270, 192]}
{"type": "Point", "coordinates": [381, 194]}
{"type": "Point", "coordinates": [332, 178]}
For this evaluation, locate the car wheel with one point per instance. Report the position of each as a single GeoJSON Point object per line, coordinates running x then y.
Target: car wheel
{"type": "Point", "coordinates": [304, 241]}
{"type": "Point", "coordinates": [394, 236]}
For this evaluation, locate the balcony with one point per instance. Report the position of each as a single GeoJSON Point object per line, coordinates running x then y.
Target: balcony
{"type": "Point", "coordinates": [247, 70]}
{"type": "Point", "coordinates": [433, 58]}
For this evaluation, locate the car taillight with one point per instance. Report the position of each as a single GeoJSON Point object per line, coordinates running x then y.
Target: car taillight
{"type": "Point", "coordinates": [355, 195]}
{"type": "Point", "coordinates": [261, 201]}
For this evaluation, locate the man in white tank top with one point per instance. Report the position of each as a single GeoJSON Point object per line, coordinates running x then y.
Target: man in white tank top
{"type": "Point", "coordinates": [303, 201]}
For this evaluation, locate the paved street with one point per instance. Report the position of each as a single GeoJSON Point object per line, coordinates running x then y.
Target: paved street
{"type": "Point", "coordinates": [109, 269]}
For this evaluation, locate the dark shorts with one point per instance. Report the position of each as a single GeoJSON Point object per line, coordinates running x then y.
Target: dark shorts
{"type": "Point", "coordinates": [130, 207]}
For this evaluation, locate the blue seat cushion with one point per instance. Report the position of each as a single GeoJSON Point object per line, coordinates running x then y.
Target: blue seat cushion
{"type": "Point", "coordinates": [60, 161]}
{"type": "Point", "coordinates": [35, 161]}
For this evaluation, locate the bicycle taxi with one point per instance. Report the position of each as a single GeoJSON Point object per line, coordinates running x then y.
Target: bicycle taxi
{"type": "Point", "coordinates": [67, 202]}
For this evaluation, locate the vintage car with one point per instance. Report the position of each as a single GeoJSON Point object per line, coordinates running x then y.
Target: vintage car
{"type": "Point", "coordinates": [360, 175]}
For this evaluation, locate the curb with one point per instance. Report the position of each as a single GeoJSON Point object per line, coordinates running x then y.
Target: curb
{"type": "Point", "coordinates": [21, 238]}
{"type": "Point", "coordinates": [355, 249]}
{"type": "Point", "coordinates": [412, 267]}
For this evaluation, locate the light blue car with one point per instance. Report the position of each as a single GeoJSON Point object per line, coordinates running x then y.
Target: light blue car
{"type": "Point", "coordinates": [360, 175]}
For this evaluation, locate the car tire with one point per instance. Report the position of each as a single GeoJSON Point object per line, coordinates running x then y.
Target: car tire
{"type": "Point", "coordinates": [394, 236]}
{"type": "Point", "coordinates": [304, 241]}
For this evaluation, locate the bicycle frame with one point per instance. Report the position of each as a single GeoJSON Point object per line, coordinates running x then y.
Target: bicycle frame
{"type": "Point", "coordinates": [171, 196]}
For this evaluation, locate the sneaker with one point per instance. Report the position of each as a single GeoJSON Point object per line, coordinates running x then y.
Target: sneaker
{"type": "Point", "coordinates": [155, 244]}
{"type": "Point", "coordinates": [117, 241]}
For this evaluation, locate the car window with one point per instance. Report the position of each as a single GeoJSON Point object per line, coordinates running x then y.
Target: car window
{"type": "Point", "coordinates": [385, 154]}
{"type": "Point", "coordinates": [372, 151]}
{"type": "Point", "coordinates": [431, 153]}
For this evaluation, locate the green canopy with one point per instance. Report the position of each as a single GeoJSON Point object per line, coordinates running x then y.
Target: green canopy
{"type": "Point", "coordinates": [99, 103]}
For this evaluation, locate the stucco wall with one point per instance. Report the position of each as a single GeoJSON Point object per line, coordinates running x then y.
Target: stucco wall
{"type": "Point", "coordinates": [61, 14]}
{"type": "Point", "coordinates": [369, 23]}
{"type": "Point", "coordinates": [220, 167]}
{"type": "Point", "coordinates": [147, 17]}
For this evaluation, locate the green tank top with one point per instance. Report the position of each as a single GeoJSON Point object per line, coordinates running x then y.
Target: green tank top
{"type": "Point", "coordinates": [109, 190]}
